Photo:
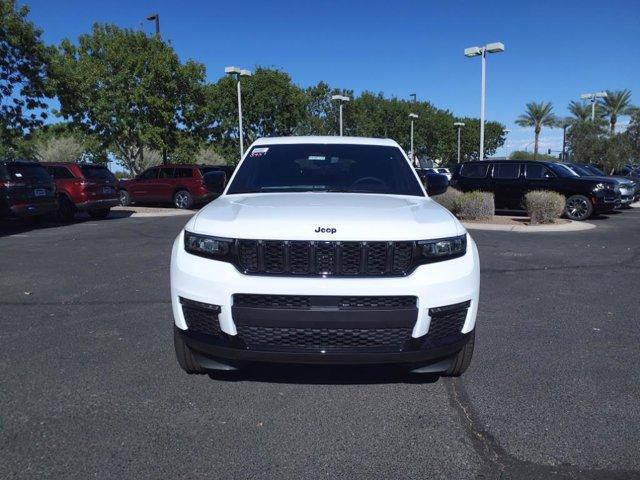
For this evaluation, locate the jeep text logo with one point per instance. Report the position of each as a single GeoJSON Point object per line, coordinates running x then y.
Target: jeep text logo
{"type": "Point", "coordinates": [325, 230]}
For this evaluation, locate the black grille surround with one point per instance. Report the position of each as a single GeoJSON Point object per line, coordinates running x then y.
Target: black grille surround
{"type": "Point", "coordinates": [308, 302]}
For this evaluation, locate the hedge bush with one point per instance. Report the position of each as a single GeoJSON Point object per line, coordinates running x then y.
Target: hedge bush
{"type": "Point", "coordinates": [448, 199]}
{"type": "Point", "coordinates": [544, 206]}
{"type": "Point", "coordinates": [475, 206]}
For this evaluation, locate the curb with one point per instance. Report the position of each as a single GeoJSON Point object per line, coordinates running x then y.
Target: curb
{"type": "Point", "coordinates": [572, 226]}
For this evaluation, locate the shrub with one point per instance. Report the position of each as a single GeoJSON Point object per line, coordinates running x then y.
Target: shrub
{"type": "Point", "coordinates": [475, 206]}
{"type": "Point", "coordinates": [448, 199]}
{"type": "Point", "coordinates": [544, 206]}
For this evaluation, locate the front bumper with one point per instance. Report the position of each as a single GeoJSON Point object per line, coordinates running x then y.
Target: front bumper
{"type": "Point", "coordinates": [434, 285]}
{"type": "Point", "coordinates": [30, 209]}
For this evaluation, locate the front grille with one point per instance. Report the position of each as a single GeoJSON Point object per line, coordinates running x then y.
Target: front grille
{"type": "Point", "coordinates": [308, 302]}
{"type": "Point", "coordinates": [325, 258]}
{"type": "Point", "coordinates": [447, 321]}
{"type": "Point", "coordinates": [275, 338]}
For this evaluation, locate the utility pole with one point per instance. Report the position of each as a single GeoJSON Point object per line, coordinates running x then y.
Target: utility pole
{"type": "Point", "coordinates": [459, 125]}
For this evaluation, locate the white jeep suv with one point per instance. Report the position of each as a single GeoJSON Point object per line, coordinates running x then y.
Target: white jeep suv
{"type": "Point", "coordinates": [324, 250]}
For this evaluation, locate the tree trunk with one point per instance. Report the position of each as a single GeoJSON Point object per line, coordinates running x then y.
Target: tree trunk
{"type": "Point", "coordinates": [535, 144]}
{"type": "Point", "coordinates": [613, 124]}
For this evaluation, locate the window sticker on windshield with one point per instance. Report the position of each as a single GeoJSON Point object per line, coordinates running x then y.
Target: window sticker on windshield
{"type": "Point", "coordinates": [18, 174]}
{"type": "Point", "coordinates": [258, 152]}
{"type": "Point", "coordinates": [316, 157]}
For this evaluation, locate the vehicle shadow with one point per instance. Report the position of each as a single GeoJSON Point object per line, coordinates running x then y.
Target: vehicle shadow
{"type": "Point", "coordinates": [324, 375]}
{"type": "Point", "coordinates": [25, 225]}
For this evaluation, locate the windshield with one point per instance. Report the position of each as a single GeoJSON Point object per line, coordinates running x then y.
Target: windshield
{"type": "Point", "coordinates": [595, 170]}
{"type": "Point", "coordinates": [92, 172]}
{"type": "Point", "coordinates": [326, 168]}
{"type": "Point", "coordinates": [562, 170]}
{"type": "Point", "coordinates": [583, 172]}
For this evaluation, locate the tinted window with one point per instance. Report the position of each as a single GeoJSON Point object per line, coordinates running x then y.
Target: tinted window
{"type": "Point", "coordinates": [536, 171]}
{"type": "Point", "coordinates": [60, 173]}
{"type": "Point", "coordinates": [166, 173]}
{"type": "Point", "coordinates": [18, 171]}
{"type": "Point", "coordinates": [506, 170]}
{"type": "Point", "coordinates": [149, 174]}
{"type": "Point", "coordinates": [326, 167]}
{"type": "Point", "coordinates": [474, 170]}
{"type": "Point", "coordinates": [95, 172]}
{"type": "Point", "coordinates": [183, 172]}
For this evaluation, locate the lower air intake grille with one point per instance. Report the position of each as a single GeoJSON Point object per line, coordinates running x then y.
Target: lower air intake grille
{"type": "Point", "coordinates": [447, 321]}
{"type": "Point", "coordinates": [273, 338]}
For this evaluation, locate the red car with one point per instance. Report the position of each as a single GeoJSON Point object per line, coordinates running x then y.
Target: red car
{"type": "Point", "coordinates": [83, 187]}
{"type": "Point", "coordinates": [181, 185]}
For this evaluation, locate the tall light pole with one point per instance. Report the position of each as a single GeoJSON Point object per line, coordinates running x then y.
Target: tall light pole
{"type": "Point", "coordinates": [459, 125]}
{"type": "Point", "coordinates": [592, 98]}
{"type": "Point", "coordinates": [156, 17]}
{"type": "Point", "coordinates": [239, 72]}
{"type": "Point", "coordinates": [506, 142]}
{"type": "Point", "coordinates": [412, 116]}
{"type": "Point", "coordinates": [341, 99]}
{"type": "Point", "coordinates": [414, 97]}
{"type": "Point", "coordinates": [495, 47]}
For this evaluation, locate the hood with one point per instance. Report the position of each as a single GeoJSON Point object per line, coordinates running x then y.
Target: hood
{"type": "Point", "coordinates": [325, 216]}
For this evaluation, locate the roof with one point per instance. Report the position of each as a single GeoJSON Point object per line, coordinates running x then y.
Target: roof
{"type": "Point", "coordinates": [326, 140]}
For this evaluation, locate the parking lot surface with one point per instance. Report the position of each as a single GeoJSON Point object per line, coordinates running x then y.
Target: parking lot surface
{"type": "Point", "coordinates": [90, 387]}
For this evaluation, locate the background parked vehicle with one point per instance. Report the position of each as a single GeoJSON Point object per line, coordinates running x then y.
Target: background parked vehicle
{"type": "Point", "coordinates": [629, 188]}
{"type": "Point", "coordinates": [444, 171]}
{"type": "Point", "coordinates": [181, 185]}
{"type": "Point", "coordinates": [26, 190]}
{"type": "Point", "coordinates": [511, 180]}
{"type": "Point", "coordinates": [83, 187]}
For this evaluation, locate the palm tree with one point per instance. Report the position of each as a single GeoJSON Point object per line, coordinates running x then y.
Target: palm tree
{"type": "Point", "coordinates": [616, 103]}
{"type": "Point", "coordinates": [537, 115]}
{"type": "Point", "coordinates": [581, 111]}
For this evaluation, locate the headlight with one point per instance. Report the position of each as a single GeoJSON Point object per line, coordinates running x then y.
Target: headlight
{"type": "Point", "coordinates": [206, 246]}
{"type": "Point", "coordinates": [443, 248]}
{"type": "Point", "coordinates": [604, 186]}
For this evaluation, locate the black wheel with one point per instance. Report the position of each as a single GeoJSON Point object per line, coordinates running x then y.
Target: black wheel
{"type": "Point", "coordinates": [100, 214]}
{"type": "Point", "coordinates": [462, 359]}
{"type": "Point", "coordinates": [578, 207]}
{"type": "Point", "coordinates": [184, 356]}
{"type": "Point", "coordinates": [66, 209]}
{"type": "Point", "coordinates": [125, 198]}
{"type": "Point", "coordinates": [182, 199]}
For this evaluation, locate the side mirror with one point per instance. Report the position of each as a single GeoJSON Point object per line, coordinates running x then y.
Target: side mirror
{"type": "Point", "coordinates": [215, 181]}
{"type": "Point", "coordinates": [437, 184]}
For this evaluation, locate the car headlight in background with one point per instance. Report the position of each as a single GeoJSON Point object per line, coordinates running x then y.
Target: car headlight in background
{"type": "Point", "coordinates": [604, 186]}
{"type": "Point", "coordinates": [443, 248]}
{"type": "Point", "coordinates": [206, 246]}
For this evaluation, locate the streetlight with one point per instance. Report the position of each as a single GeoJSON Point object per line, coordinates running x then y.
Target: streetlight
{"type": "Point", "coordinates": [414, 97]}
{"type": "Point", "coordinates": [506, 144]}
{"type": "Point", "coordinates": [495, 47]}
{"type": "Point", "coordinates": [156, 17]}
{"type": "Point", "coordinates": [412, 116]}
{"type": "Point", "coordinates": [592, 98]}
{"type": "Point", "coordinates": [459, 125]}
{"type": "Point", "coordinates": [341, 99]}
{"type": "Point", "coordinates": [239, 72]}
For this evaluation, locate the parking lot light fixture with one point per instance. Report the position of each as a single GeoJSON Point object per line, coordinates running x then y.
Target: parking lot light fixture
{"type": "Point", "coordinates": [495, 47]}
{"type": "Point", "coordinates": [155, 18]}
{"type": "Point", "coordinates": [341, 99]}
{"type": "Point", "coordinates": [459, 125]}
{"type": "Point", "coordinates": [237, 73]}
{"type": "Point", "coordinates": [592, 97]}
{"type": "Point", "coordinates": [412, 116]}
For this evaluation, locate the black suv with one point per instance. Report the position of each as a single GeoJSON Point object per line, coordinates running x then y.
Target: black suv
{"type": "Point", "coordinates": [26, 190]}
{"type": "Point", "coordinates": [511, 180]}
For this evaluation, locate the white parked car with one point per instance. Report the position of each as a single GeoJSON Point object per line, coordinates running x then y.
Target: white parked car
{"type": "Point", "coordinates": [324, 250]}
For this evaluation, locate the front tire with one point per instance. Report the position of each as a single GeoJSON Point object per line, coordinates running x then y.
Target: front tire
{"type": "Point", "coordinates": [463, 358]}
{"type": "Point", "coordinates": [182, 199]}
{"type": "Point", "coordinates": [184, 355]}
{"type": "Point", "coordinates": [100, 214]}
{"type": "Point", "coordinates": [578, 208]}
{"type": "Point", "coordinates": [125, 198]}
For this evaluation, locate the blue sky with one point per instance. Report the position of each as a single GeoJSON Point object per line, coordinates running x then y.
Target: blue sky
{"type": "Point", "coordinates": [555, 50]}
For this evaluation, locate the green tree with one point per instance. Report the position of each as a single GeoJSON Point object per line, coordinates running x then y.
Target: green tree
{"type": "Point", "coordinates": [129, 90]}
{"type": "Point", "coordinates": [537, 115]}
{"type": "Point", "coordinates": [24, 63]}
{"type": "Point", "coordinates": [633, 134]}
{"type": "Point", "coordinates": [615, 104]}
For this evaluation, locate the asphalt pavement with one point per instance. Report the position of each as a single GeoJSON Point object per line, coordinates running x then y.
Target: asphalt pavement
{"type": "Point", "coordinates": [89, 386]}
